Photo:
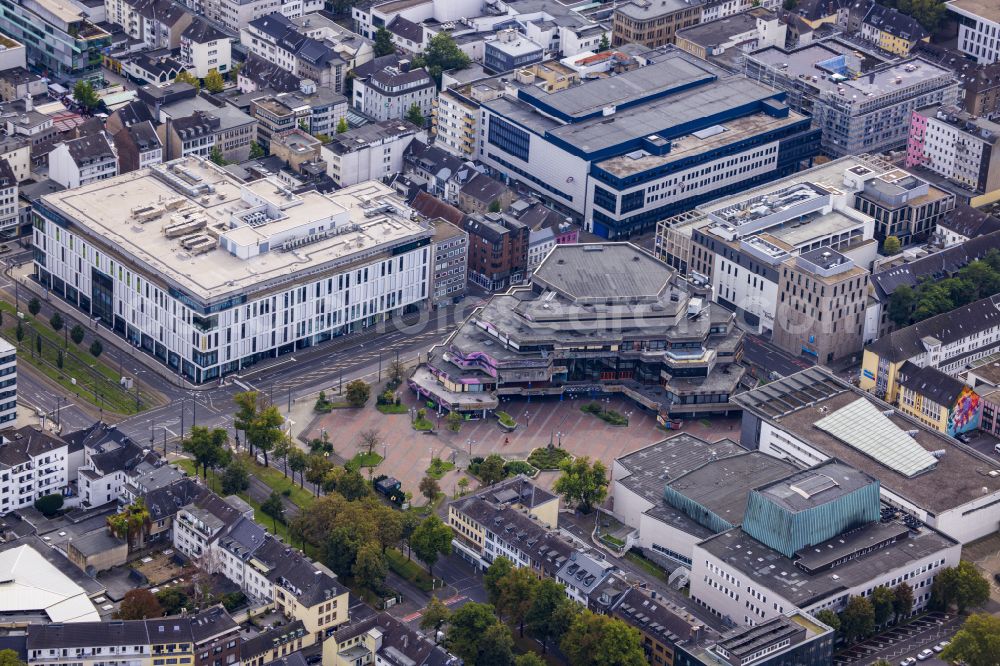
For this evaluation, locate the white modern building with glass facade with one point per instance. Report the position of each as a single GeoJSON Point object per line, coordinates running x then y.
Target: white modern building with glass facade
{"type": "Point", "coordinates": [209, 274]}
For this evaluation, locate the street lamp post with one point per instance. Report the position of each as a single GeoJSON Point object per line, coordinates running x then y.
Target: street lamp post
{"type": "Point", "coordinates": [527, 419]}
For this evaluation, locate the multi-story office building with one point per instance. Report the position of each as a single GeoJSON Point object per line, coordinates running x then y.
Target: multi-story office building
{"type": "Point", "coordinates": [652, 23]}
{"type": "Point", "coordinates": [857, 111]}
{"type": "Point", "coordinates": [964, 149]}
{"type": "Point", "coordinates": [235, 272]}
{"type": "Point", "coordinates": [232, 130]}
{"type": "Point", "coordinates": [32, 464]}
{"type": "Point", "coordinates": [594, 318]}
{"type": "Point", "coordinates": [456, 116]}
{"type": "Point", "coordinates": [822, 531]}
{"type": "Point", "coordinates": [57, 34]}
{"type": "Point", "coordinates": [315, 109]}
{"type": "Point", "coordinates": [812, 417]}
{"type": "Point", "coordinates": [626, 150]}
{"type": "Point", "coordinates": [796, 638]}
{"type": "Point", "coordinates": [8, 382]}
{"type": "Point", "coordinates": [903, 205]}
{"type": "Point", "coordinates": [978, 29]}
{"type": "Point", "coordinates": [509, 51]}
{"type": "Point", "coordinates": [450, 250]}
{"type": "Point", "coordinates": [498, 250]}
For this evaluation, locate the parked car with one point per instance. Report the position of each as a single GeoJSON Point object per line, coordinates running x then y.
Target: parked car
{"type": "Point", "coordinates": [940, 646]}
{"type": "Point", "coordinates": [909, 661]}
{"type": "Point", "coordinates": [924, 655]}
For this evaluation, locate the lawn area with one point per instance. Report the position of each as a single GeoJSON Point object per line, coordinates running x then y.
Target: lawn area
{"type": "Point", "coordinates": [546, 457]}
{"type": "Point", "coordinates": [423, 424]}
{"type": "Point", "coordinates": [647, 565]}
{"type": "Point", "coordinates": [96, 382]}
{"type": "Point", "coordinates": [506, 419]}
{"type": "Point", "coordinates": [392, 409]}
{"type": "Point", "coordinates": [408, 569]}
{"type": "Point", "coordinates": [363, 460]}
{"type": "Point", "coordinates": [439, 468]}
{"type": "Point", "coordinates": [609, 416]}
{"type": "Point", "coordinates": [278, 482]}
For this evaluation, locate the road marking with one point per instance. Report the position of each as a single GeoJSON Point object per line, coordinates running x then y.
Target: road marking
{"type": "Point", "coordinates": [454, 600]}
{"type": "Point", "coordinates": [412, 616]}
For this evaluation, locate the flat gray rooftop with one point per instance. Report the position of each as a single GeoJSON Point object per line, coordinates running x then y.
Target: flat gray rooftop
{"type": "Point", "coordinates": [589, 271]}
{"type": "Point", "coordinates": [814, 486]}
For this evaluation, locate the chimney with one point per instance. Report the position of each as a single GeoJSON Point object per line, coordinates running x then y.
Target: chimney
{"type": "Point", "coordinates": [404, 65]}
{"type": "Point", "coordinates": [29, 104]}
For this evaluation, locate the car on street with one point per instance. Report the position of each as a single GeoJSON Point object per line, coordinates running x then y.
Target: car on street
{"type": "Point", "coordinates": [940, 646]}
{"type": "Point", "coordinates": [909, 661]}
{"type": "Point", "coordinates": [924, 655]}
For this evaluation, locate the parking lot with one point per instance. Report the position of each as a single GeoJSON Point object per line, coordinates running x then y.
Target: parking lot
{"type": "Point", "coordinates": [898, 643]}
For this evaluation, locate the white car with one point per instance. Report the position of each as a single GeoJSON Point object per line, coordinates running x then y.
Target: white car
{"type": "Point", "coordinates": [909, 661]}
{"type": "Point", "coordinates": [924, 655]}
{"type": "Point", "coordinates": [940, 646]}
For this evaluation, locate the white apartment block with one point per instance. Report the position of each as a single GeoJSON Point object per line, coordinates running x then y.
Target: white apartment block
{"type": "Point", "coordinates": [210, 275]}
{"type": "Point", "coordinates": [83, 161]}
{"type": "Point", "coordinates": [978, 28]}
{"type": "Point", "coordinates": [32, 463]}
{"type": "Point", "coordinates": [234, 15]}
{"type": "Point", "coordinates": [389, 93]}
{"type": "Point", "coordinates": [370, 152]}
{"type": "Point", "coordinates": [8, 382]}
{"type": "Point", "coordinates": [8, 200]}
{"type": "Point", "coordinates": [962, 148]}
{"type": "Point", "coordinates": [204, 48]}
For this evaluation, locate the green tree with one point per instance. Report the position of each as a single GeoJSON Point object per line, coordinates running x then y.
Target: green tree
{"type": "Point", "coordinates": [214, 83]}
{"type": "Point", "coordinates": [353, 486]}
{"type": "Point", "coordinates": [189, 78]}
{"type": "Point", "coordinates": [517, 593]}
{"type": "Point", "coordinates": [415, 116]}
{"type": "Point", "coordinates": [19, 332]}
{"type": "Point", "coordinates": [857, 619]}
{"type": "Point", "coordinates": [282, 448]}
{"type": "Point", "coordinates": [265, 432]}
{"type": "Point", "coordinates": [216, 156]}
{"type": "Point", "coordinates": [496, 647]}
{"type": "Point", "coordinates": [96, 348]}
{"type": "Point", "coordinates": [85, 96]}
{"type": "Point", "coordinates": [466, 627]}
{"type": "Point", "coordinates": [76, 334]}
{"type": "Point", "coordinates": [370, 567]}
{"type": "Point", "coordinates": [274, 507]}
{"type": "Point", "coordinates": [902, 602]}
{"type": "Point", "coordinates": [56, 322]}
{"type": "Point", "coordinates": [139, 604]}
{"type": "Point", "coordinates": [297, 461]}
{"type": "Point", "coordinates": [10, 658]}
{"type": "Point", "coordinates": [550, 614]}
{"type": "Point", "coordinates": [932, 298]}
{"type": "Point", "coordinates": [357, 393]}
{"type": "Point", "coordinates": [410, 522]}
{"type": "Point", "coordinates": [247, 406]}
{"type": "Point", "coordinates": [583, 482]}
{"type": "Point", "coordinates": [463, 485]}
{"type": "Point", "coordinates": [235, 478]}
{"type": "Point", "coordinates": [429, 488]}
{"type": "Point", "coordinates": [604, 44]}
{"type": "Point", "coordinates": [829, 618]}
{"type": "Point", "coordinates": [207, 447]}
{"type": "Point", "coordinates": [901, 305]}
{"type": "Point", "coordinates": [342, 125]}
{"type": "Point", "coordinates": [317, 467]}
{"type": "Point", "coordinates": [256, 151]}
{"type": "Point", "coordinates": [977, 643]}
{"type": "Point", "coordinates": [431, 539]}
{"type": "Point", "coordinates": [497, 571]}
{"type": "Point", "coordinates": [882, 599]}
{"type": "Point", "coordinates": [442, 54]}
{"type": "Point", "coordinates": [891, 246]}
{"type": "Point", "coordinates": [528, 659]}
{"type": "Point", "coordinates": [172, 600]}
{"type": "Point", "coordinates": [962, 586]}
{"type": "Point", "coordinates": [595, 640]}
{"type": "Point", "coordinates": [131, 523]}
{"type": "Point", "coordinates": [389, 527]}
{"type": "Point", "coordinates": [435, 616]}
{"type": "Point", "coordinates": [491, 470]}
{"type": "Point", "coordinates": [983, 276]}
{"type": "Point", "coordinates": [495, 206]}
{"type": "Point", "coordinates": [383, 43]}
{"type": "Point", "coordinates": [34, 307]}
{"type": "Point", "coordinates": [454, 421]}
{"type": "Point", "coordinates": [49, 505]}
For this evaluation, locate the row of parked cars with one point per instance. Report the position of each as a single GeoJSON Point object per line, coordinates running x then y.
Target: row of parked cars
{"type": "Point", "coordinates": [924, 655]}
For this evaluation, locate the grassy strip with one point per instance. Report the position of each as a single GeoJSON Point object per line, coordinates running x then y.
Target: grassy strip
{"type": "Point", "coordinates": [408, 569]}
{"type": "Point", "coordinates": [423, 424]}
{"type": "Point", "coordinates": [392, 409]}
{"type": "Point", "coordinates": [647, 565]}
{"type": "Point", "coordinates": [439, 468]}
{"type": "Point", "coordinates": [278, 482]}
{"type": "Point", "coordinates": [548, 458]}
{"type": "Point", "coordinates": [364, 460]}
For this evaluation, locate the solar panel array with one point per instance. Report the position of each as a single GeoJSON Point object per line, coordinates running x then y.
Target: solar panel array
{"type": "Point", "coordinates": [861, 425]}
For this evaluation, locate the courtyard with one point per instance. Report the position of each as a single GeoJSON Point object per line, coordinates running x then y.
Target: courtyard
{"type": "Point", "coordinates": [408, 453]}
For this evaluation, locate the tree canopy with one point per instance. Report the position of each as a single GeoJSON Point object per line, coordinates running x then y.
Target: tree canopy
{"type": "Point", "coordinates": [857, 619]}
{"type": "Point", "coordinates": [207, 447]}
{"type": "Point", "coordinates": [583, 482]}
{"type": "Point", "coordinates": [962, 586]}
{"type": "Point", "coordinates": [979, 279]}
{"type": "Point", "coordinates": [139, 604]}
{"type": "Point", "coordinates": [383, 43]}
{"type": "Point", "coordinates": [85, 96]}
{"type": "Point", "coordinates": [442, 54]}
{"type": "Point", "coordinates": [977, 643]}
{"type": "Point", "coordinates": [431, 539]}
{"type": "Point", "coordinates": [595, 640]}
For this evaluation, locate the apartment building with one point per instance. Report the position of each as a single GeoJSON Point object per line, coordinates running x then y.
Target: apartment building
{"type": "Point", "coordinates": [83, 161]}
{"type": "Point", "coordinates": [371, 152]}
{"type": "Point", "coordinates": [232, 130]}
{"type": "Point", "coordinates": [234, 15]}
{"type": "Point", "coordinates": [978, 29]}
{"type": "Point", "coordinates": [204, 48]}
{"type": "Point", "coordinates": [858, 111]}
{"type": "Point", "coordinates": [449, 275]}
{"type": "Point", "coordinates": [8, 205]}
{"type": "Point", "coordinates": [587, 146]}
{"type": "Point", "coordinates": [892, 30]}
{"type": "Point", "coordinates": [382, 639]}
{"type": "Point", "coordinates": [498, 250]}
{"type": "Point", "coordinates": [964, 149]}
{"type": "Point", "coordinates": [386, 88]}
{"type": "Point", "coordinates": [192, 135]}
{"type": "Point", "coordinates": [939, 400]}
{"type": "Point", "coordinates": [114, 643]}
{"type": "Point", "coordinates": [8, 383]}
{"type": "Point", "coordinates": [206, 306]}
{"type": "Point", "coordinates": [138, 146]}
{"type": "Point", "coordinates": [324, 58]}
{"type": "Point", "coordinates": [32, 463]}
{"type": "Point", "coordinates": [456, 116]}
{"type": "Point", "coordinates": [57, 34]}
